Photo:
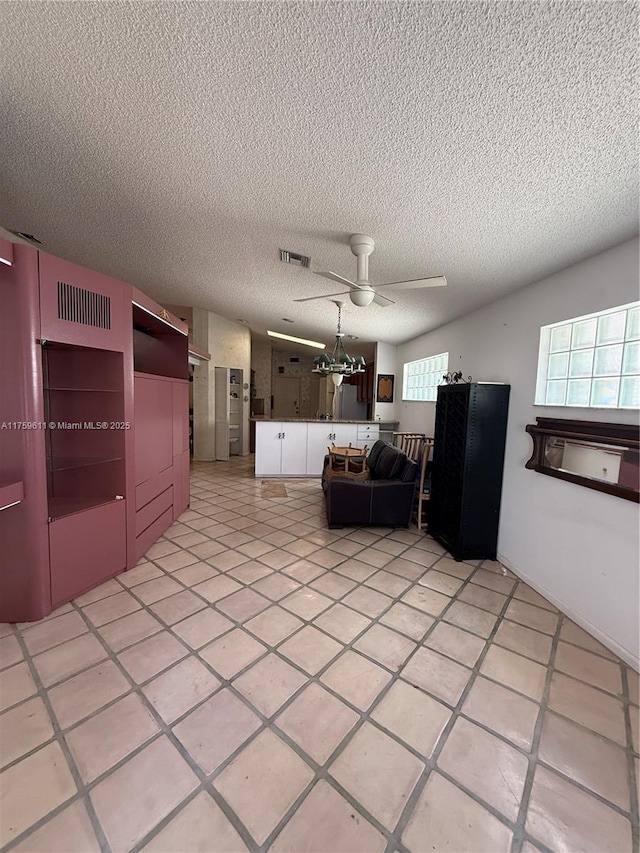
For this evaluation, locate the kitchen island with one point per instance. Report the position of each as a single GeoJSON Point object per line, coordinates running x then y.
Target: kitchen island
{"type": "Point", "coordinates": [296, 447]}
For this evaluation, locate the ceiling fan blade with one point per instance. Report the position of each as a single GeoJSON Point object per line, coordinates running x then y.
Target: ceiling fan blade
{"type": "Point", "coordinates": [324, 296]}
{"type": "Point", "coordinates": [383, 301]}
{"type": "Point", "coordinates": [340, 279]}
{"type": "Point", "coordinates": [416, 283]}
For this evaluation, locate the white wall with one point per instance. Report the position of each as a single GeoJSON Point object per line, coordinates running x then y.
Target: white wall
{"type": "Point", "coordinates": [577, 546]}
{"type": "Point", "coordinates": [230, 346]}
{"type": "Point", "coordinates": [385, 362]}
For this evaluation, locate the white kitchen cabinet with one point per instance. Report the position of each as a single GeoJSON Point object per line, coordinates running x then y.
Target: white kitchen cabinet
{"type": "Point", "coordinates": [368, 434]}
{"type": "Point", "coordinates": [281, 449]}
{"type": "Point", "coordinates": [319, 438]}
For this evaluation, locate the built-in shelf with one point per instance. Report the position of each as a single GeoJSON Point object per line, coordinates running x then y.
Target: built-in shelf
{"type": "Point", "coordinates": [66, 463]}
{"type": "Point", "coordinates": [11, 494]}
{"type": "Point", "coordinates": [61, 507]}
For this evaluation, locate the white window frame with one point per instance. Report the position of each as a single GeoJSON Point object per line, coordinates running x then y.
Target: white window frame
{"type": "Point", "coordinates": [420, 378]}
{"type": "Point", "coordinates": [590, 362]}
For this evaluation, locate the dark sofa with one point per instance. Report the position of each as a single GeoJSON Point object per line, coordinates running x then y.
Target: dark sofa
{"type": "Point", "coordinates": [385, 498]}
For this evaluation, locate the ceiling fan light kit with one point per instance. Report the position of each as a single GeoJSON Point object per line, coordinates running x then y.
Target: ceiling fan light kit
{"type": "Point", "coordinates": [361, 291]}
{"type": "Point", "coordinates": [339, 364]}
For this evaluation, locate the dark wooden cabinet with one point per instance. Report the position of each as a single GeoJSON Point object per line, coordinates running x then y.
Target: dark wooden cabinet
{"type": "Point", "coordinates": [468, 459]}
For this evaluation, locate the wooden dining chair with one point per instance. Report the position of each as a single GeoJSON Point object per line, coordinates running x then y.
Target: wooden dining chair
{"type": "Point", "coordinates": [423, 491]}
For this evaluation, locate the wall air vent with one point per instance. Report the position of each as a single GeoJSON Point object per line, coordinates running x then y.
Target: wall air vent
{"type": "Point", "coordinates": [294, 258]}
{"type": "Point", "coordinates": [78, 305]}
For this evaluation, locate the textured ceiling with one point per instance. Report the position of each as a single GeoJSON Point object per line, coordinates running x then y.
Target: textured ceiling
{"type": "Point", "coordinates": [180, 145]}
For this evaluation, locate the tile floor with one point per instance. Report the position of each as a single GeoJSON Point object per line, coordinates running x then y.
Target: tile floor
{"type": "Point", "coordinates": [259, 682]}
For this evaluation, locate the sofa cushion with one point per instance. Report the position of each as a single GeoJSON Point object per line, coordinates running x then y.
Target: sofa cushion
{"type": "Point", "coordinates": [388, 464]}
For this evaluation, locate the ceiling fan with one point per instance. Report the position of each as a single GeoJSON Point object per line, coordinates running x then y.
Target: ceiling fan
{"type": "Point", "coordinates": [361, 291]}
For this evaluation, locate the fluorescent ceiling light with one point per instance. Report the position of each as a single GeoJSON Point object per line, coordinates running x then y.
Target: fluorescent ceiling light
{"type": "Point", "coordinates": [296, 340]}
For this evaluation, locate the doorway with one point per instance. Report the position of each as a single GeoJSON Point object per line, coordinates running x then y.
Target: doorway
{"type": "Point", "coordinates": [286, 397]}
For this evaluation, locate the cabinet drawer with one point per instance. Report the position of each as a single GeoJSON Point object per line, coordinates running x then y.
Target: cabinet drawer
{"type": "Point", "coordinates": [146, 539]}
{"type": "Point", "coordinates": [370, 432]}
{"type": "Point", "coordinates": [149, 513]}
{"type": "Point", "coordinates": [152, 487]}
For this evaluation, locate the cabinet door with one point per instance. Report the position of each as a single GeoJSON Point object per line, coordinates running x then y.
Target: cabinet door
{"type": "Point", "coordinates": [318, 440]}
{"type": "Point", "coordinates": [180, 416]}
{"type": "Point", "coordinates": [268, 448]}
{"type": "Point", "coordinates": [81, 306]}
{"type": "Point", "coordinates": [345, 433]}
{"type": "Point", "coordinates": [294, 450]}
{"type": "Point", "coordinates": [153, 426]}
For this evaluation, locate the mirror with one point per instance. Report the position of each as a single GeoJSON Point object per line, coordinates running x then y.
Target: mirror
{"type": "Point", "coordinates": [600, 456]}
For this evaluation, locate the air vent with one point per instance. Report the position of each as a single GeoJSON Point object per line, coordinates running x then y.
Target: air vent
{"type": "Point", "coordinates": [294, 258]}
{"type": "Point", "coordinates": [294, 360]}
{"type": "Point", "coordinates": [78, 305]}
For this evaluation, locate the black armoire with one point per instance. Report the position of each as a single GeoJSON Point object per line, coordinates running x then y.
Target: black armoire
{"type": "Point", "coordinates": [468, 458]}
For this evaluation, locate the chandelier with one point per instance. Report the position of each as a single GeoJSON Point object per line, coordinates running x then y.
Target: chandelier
{"type": "Point", "coordinates": [339, 364]}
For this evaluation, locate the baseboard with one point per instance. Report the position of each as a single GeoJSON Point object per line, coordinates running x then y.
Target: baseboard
{"type": "Point", "coordinates": [623, 653]}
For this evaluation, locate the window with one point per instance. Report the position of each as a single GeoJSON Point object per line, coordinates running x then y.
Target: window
{"type": "Point", "coordinates": [591, 361]}
{"type": "Point", "coordinates": [421, 378]}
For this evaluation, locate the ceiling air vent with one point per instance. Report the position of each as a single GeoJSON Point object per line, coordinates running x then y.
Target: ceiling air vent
{"type": "Point", "coordinates": [78, 305]}
{"type": "Point", "coordinates": [294, 258]}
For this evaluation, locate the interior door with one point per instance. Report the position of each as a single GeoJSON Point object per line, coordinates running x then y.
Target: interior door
{"type": "Point", "coordinates": [286, 397]}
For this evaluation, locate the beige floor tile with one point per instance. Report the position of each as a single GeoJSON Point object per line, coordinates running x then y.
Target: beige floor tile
{"type": "Point", "coordinates": [327, 822]}
{"type": "Point", "coordinates": [471, 618]}
{"type": "Point", "coordinates": [306, 603]}
{"type": "Point", "coordinates": [16, 684]}
{"type": "Point", "coordinates": [365, 766]}
{"type": "Point", "coordinates": [438, 675]}
{"type": "Point", "coordinates": [277, 558]}
{"type": "Point", "coordinates": [275, 586]}
{"type": "Point", "coordinates": [47, 634]}
{"type": "Point", "coordinates": [407, 569]}
{"type": "Point", "coordinates": [572, 633]}
{"type": "Point", "coordinates": [586, 758]}
{"type": "Point", "coordinates": [440, 582]}
{"type": "Point", "coordinates": [69, 831]}
{"type": "Point", "coordinates": [176, 560]}
{"type": "Point", "coordinates": [310, 649]}
{"type": "Point", "coordinates": [226, 560]}
{"type": "Point", "coordinates": [151, 656]}
{"type": "Point", "coordinates": [635, 730]}
{"type": "Point", "coordinates": [300, 548]}
{"type": "Point", "coordinates": [485, 765]}
{"type": "Point", "coordinates": [515, 671]}
{"type": "Point", "coordinates": [532, 617]}
{"type": "Point", "coordinates": [232, 540]}
{"type": "Point", "coordinates": [105, 739]}
{"type": "Point", "coordinates": [243, 605]}
{"type": "Point", "coordinates": [502, 710]}
{"type": "Point", "coordinates": [633, 680]}
{"type": "Point", "coordinates": [273, 625]}
{"type": "Point", "coordinates": [407, 620]}
{"type": "Point", "coordinates": [474, 828]}
{"type": "Point", "coordinates": [269, 683]}
{"type": "Point", "coordinates": [454, 568]}
{"type": "Point", "coordinates": [217, 588]}
{"type": "Point", "coordinates": [346, 547]}
{"type": "Point", "coordinates": [250, 572]}
{"type": "Point", "coordinates": [342, 622]}
{"type": "Point", "coordinates": [363, 537]}
{"type": "Point", "coordinates": [262, 783]}
{"type": "Point", "coordinates": [525, 593]}
{"type": "Point", "coordinates": [317, 721]}
{"type": "Point", "coordinates": [427, 600]}
{"type": "Point", "coordinates": [23, 729]}
{"type": "Point", "coordinates": [421, 556]}
{"type": "Point", "coordinates": [304, 571]}
{"type": "Point", "coordinates": [589, 667]}
{"type": "Point", "coordinates": [104, 590]}
{"type": "Point", "coordinates": [414, 717]}
{"type": "Point", "coordinates": [161, 549]}
{"type": "Point", "coordinates": [491, 580]}
{"type": "Point", "coordinates": [486, 599]}
{"type": "Point", "coordinates": [75, 699]}
{"type": "Point", "coordinates": [202, 627]}
{"type": "Point", "coordinates": [177, 607]}
{"type": "Point", "coordinates": [114, 607]}
{"type": "Point", "coordinates": [194, 829]}
{"type": "Point", "coordinates": [204, 550]}
{"type": "Point", "coordinates": [195, 574]}
{"type": "Point", "coordinates": [456, 643]}
{"type": "Point", "coordinates": [233, 652]}
{"type": "Point", "coordinates": [524, 641]}
{"type": "Point", "coordinates": [367, 601]}
{"type": "Point", "coordinates": [388, 583]}
{"type": "Point", "coordinates": [157, 589]}
{"type": "Point", "coordinates": [130, 629]}
{"type": "Point", "coordinates": [356, 679]}
{"type": "Point", "coordinates": [385, 646]}
{"type": "Point", "coordinates": [178, 689]}
{"type": "Point", "coordinates": [590, 707]}
{"type": "Point", "coordinates": [165, 778]}
{"type": "Point", "coordinates": [358, 570]}
{"type": "Point", "coordinates": [216, 729]}
{"type": "Point", "coordinates": [333, 585]}
{"type": "Point", "coordinates": [32, 788]}
{"type": "Point", "coordinates": [326, 558]}
{"type": "Point", "coordinates": [391, 547]}
{"type": "Point", "coordinates": [279, 538]}
{"type": "Point", "coordinates": [563, 817]}
{"type": "Point", "coordinates": [68, 658]}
